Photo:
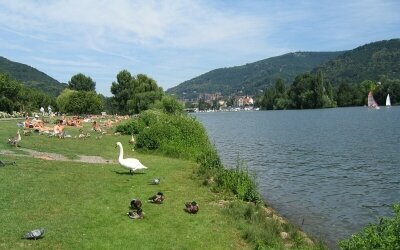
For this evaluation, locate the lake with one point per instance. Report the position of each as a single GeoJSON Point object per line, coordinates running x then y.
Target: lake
{"type": "Point", "coordinates": [331, 171]}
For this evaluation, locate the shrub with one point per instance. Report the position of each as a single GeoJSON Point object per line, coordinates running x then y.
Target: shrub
{"type": "Point", "coordinates": [173, 135]}
{"type": "Point", "coordinates": [132, 126]}
{"type": "Point", "coordinates": [384, 235]}
{"type": "Point", "coordinates": [209, 159]}
{"type": "Point", "coordinates": [169, 105]}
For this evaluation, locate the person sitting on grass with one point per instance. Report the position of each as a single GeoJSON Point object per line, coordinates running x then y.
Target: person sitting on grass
{"type": "Point", "coordinates": [96, 126]}
{"type": "Point", "coordinates": [28, 123]}
{"type": "Point", "coordinates": [59, 129]}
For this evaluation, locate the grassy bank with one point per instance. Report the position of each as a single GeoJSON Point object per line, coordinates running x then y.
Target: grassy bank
{"type": "Point", "coordinates": [84, 205]}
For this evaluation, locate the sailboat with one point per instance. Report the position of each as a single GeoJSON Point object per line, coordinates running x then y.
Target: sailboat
{"type": "Point", "coordinates": [388, 104]}
{"type": "Point", "coordinates": [371, 101]}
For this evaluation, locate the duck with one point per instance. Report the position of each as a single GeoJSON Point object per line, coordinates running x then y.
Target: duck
{"type": "Point", "coordinates": [136, 204]}
{"type": "Point", "coordinates": [129, 163]}
{"type": "Point", "coordinates": [81, 134]}
{"type": "Point", "coordinates": [132, 140]}
{"type": "Point", "coordinates": [155, 181]}
{"type": "Point", "coordinates": [138, 214]}
{"type": "Point", "coordinates": [15, 140]}
{"type": "Point", "coordinates": [157, 198]}
{"type": "Point", "coordinates": [191, 207]}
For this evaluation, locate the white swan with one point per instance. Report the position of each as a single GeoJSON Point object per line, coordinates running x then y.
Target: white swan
{"type": "Point", "coordinates": [129, 163]}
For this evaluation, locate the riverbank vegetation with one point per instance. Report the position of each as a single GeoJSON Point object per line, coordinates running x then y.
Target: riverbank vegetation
{"type": "Point", "coordinates": [310, 91]}
{"type": "Point", "coordinates": [383, 235]}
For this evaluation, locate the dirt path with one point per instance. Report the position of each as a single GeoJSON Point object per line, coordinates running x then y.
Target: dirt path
{"type": "Point", "coordinates": [58, 157]}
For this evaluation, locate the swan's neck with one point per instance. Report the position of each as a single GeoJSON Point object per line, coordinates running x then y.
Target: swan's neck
{"type": "Point", "coordinates": [121, 152]}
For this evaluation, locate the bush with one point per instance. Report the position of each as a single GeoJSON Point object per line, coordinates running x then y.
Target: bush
{"type": "Point", "coordinates": [149, 139]}
{"type": "Point", "coordinates": [384, 235]}
{"type": "Point", "coordinates": [209, 159]}
{"type": "Point", "coordinates": [169, 105]}
{"type": "Point", "coordinates": [132, 126]}
{"type": "Point", "coordinates": [172, 135]}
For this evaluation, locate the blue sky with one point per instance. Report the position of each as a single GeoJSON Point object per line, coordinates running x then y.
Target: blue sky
{"type": "Point", "coordinates": [173, 40]}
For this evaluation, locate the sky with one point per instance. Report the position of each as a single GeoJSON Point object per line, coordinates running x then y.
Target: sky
{"type": "Point", "coordinates": [173, 41]}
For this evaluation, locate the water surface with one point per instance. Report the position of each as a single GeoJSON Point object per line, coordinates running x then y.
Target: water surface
{"type": "Point", "coordinates": [331, 171]}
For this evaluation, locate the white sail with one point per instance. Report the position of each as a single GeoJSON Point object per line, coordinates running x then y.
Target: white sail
{"type": "Point", "coordinates": [388, 101]}
{"type": "Point", "coordinates": [371, 101]}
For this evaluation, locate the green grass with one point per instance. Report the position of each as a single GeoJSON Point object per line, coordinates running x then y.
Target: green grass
{"type": "Point", "coordinates": [84, 206]}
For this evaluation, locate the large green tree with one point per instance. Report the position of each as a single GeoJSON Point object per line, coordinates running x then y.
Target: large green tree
{"type": "Point", "coordinates": [318, 90]}
{"type": "Point", "coordinates": [146, 92]}
{"type": "Point", "coordinates": [80, 82]}
{"type": "Point", "coordinates": [79, 102]}
{"type": "Point", "coordinates": [133, 94]}
{"type": "Point", "coordinates": [9, 92]}
{"type": "Point", "coordinates": [16, 97]}
{"type": "Point", "coordinates": [300, 92]}
{"type": "Point", "coordinates": [122, 90]}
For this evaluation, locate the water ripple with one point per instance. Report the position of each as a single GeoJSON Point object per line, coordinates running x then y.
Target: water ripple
{"type": "Point", "coordinates": [331, 171]}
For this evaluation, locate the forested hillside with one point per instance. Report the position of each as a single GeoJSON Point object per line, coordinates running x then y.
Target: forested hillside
{"type": "Point", "coordinates": [374, 61]}
{"type": "Point", "coordinates": [31, 77]}
{"type": "Point", "coordinates": [252, 77]}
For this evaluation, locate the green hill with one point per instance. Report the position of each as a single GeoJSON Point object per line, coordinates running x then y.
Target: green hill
{"type": "Point", "coordinates": [374, 61]}
{"type": "Point", "coordinates": [252, 77]}
{"type": "Point", "coordinates": [31, 77]}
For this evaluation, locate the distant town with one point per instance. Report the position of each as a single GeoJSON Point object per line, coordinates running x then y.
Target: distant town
{"type": "Point", "coordinates": [206, 102]}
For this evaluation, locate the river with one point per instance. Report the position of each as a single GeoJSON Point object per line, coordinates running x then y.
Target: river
{"type": "Point", "coordinates": [330, 171]}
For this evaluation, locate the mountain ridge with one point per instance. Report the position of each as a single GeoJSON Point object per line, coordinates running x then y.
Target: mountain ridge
{"type": "Point", "coordinates": [372, 61]}
{"type": "Point", "coordinates": [31, 77]}
{"type": "Point", "coordinates": [252, 77]}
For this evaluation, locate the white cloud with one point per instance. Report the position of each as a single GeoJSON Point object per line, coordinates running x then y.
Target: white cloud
{"type": "Point", "coordinates": [184, 38]}
{"type": "Point", "coordinates": [145, 23]}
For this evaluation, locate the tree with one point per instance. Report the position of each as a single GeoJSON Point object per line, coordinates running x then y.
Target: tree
{"type": "Point", "coordinates": [134, 94]}
{"type": "Point", "coordinates": [146, 92]}
{"type": "Point", "coordinates": [122, 91]}
{"type": "Point", "coordinates": [63, 99]}
{"type": "Point", "coordinates": [9, 93]}
{"type": "Point", "coordinates": [80, 82]}
{"type": "Point", "coordinates": [268, 99]}
{"type": "Point", "coordinates": [318, 89]}
{"type": "Point", "coordinates": [280, 87]}
{"type": "Point", "coordinates": [299, 92]}
{"type": "Point", "coordinates": [79, 102]}
{"type": "Point", "coordinates": [203, 105]}
{"type": "Point", "coordinates": [281, 99]}
{"type": "Point", "coordinates": [344, 95]}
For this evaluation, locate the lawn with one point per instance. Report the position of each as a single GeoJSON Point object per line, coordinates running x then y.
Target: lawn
{"type": "Point", "coordinates": [83, 205]}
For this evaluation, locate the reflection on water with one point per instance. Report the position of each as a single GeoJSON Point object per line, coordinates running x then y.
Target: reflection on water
{"type": "Point", "coordinates": [332, 170]}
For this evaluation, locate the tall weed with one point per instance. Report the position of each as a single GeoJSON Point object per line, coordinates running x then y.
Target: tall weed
{"type": "Point", "coordinates": [238, 181]}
